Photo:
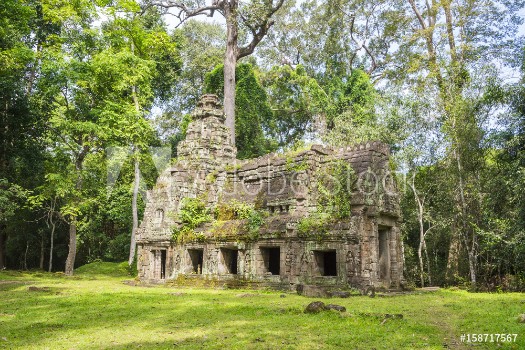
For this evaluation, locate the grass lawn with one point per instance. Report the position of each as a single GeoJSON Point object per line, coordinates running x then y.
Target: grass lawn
{"type": "Point", "coordinates": [96, 310]}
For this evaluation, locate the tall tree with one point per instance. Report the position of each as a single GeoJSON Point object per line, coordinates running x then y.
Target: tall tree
{"type": "Point", "coordinates": [451, 43]}
{"type": "Point", "coordinates": [254, 122]}
{"type": "Point", "coordinates": [255, 16]}
{"type": "Point", "coordinates": [201, 46]}
{"type": "Point", "coordinates": [330, 38]}
{"type": "Point", "coordinates": [20, 125]}
{"type": "Point", "coordinates": [139, 38]}
{"type": "Point", "coordinates": [298, 103]}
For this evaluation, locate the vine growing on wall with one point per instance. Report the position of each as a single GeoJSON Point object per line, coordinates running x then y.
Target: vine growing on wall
{"type": "Point", "coordinates": [192, 214]}
{"type": "Point", "coordinates": [334, 186]}
{"type": "Point", "coordinates": [334, 189]}
{"type": "Point", "coordinates": [252, 218]}
{"type": "Point", "coordinates": [316, 225]}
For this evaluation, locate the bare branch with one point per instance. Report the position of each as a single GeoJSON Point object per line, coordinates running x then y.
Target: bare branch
{"type": "Point", "coordinates": [428, 34]}
{"type": "Point", "coordinates": [257, 36]}
{"type": "Point", "coordinates": [183, 12]}
{"type": "Point", "coordinates": [418, 14]}
{"type": "Point", "coordinates": [260, 32]}
{"type": "Point", "coordinates": [429, 11]}
{"type": "Point", "coordinates": [360, 45]}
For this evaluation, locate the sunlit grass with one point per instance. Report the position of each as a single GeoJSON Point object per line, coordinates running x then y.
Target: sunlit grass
{"type": "Point", "coordinates": [99, 311]}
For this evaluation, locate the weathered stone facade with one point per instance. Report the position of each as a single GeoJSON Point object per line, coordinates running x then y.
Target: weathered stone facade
{"type": "Point", "coordinates": [287, 247]}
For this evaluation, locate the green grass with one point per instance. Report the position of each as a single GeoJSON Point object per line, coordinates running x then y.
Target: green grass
{"type": "Point", "coordinates": [98, 311]}
{"type": "Point", "coordinates": [102, 269]}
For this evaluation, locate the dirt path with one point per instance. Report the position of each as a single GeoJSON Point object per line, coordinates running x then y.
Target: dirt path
{"type": "Point", "coordinates": [445, 320]}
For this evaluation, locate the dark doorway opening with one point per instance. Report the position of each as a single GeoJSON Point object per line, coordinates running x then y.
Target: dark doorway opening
{"type": "Point", "coordinates": [230, 257]}
{"type": "Point", "coordinates": [162, 264]}
{"type": "Point", "coordinates": [326, 262]}
{"type": "Point", "coordinates": [197, 258]}
{"type": "Point", "coordinates": [272, 260]}
{"type": "Point", "coordinates": [384, 254]}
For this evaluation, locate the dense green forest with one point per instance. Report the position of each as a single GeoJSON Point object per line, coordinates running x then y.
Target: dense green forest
{"type": "Point", "coordinates": [441, 82]}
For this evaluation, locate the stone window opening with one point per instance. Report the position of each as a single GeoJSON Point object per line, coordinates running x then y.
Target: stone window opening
{"type": "Point", "coordinates": [159, 215]}
{"type": "Point", "coordinates": [230, 259]}
{"type": "Point", "coordinates": [197, 259]}
{"type": "Point", "coordinates": [326, 262]}
{"type": "Point", "coordinates": [278, 209]}
{"type": "Point", "coordinates": [272, 260]}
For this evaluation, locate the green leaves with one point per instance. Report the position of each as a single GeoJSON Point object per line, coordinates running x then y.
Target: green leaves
{"type": "Point", "coordinates": [192, 214]}
{"type": "Point", "coordinates": [296, 100]}
{"type": "Point", "coordinates": [334, 186]}
{"type": "Point", "coordinates": [11, 199]}
{"type": "Point", "coordinates": [351, 115]}
{"type": "Point", "coordinates": [254, 122]}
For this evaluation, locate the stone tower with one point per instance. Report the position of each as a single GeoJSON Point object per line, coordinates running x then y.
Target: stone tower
{"type": "Point", "coordinates": [206, 149]}
{"type": "Point", "coordinates": [208, 140]}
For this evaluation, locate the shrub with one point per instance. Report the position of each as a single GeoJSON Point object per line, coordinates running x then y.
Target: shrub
{"type": "Point", "coordinates": [193, 213]}
{"type": "Point", "coordinates": [235, 210]}
{"type": "Point", "coordinates": [317, 225]}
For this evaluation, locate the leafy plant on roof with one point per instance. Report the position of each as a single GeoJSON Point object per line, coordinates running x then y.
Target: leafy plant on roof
{"type": "Point", "coordinates": [192, 214]}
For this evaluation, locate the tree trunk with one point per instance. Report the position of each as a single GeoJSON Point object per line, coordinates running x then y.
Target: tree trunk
{"type": "Point", "coordinates": [472, 260]}
{"type": "Point", "coordinates": [421, 240]}
{"type": "Point", "coordinates": [421, 265]}
{"type": "Point", "coordinates": [72, 253]}
{"type": "Point", "coordinates": [25, 255]}
{"type": "Point", "coordinates": [41, 265]}
{"type": "Point", "coordinates": [3, 238]}
{"type": "Point", "coordinates": [134, 208]}
{"type": "Point", "coordinates": [471, 251]}
{"type": "Point", "coordinates": [70, 261]}
{"type": "Point", "coordinates": [420, 212]}
{"type": "Point", "coordinates": [51, 245]}
{"type": "Point", "coordinates": [136, 181]}
{"type": "Point", "coordinates": [453, 256]}
{"type": "Point", "coordinates": [472, 268]}
{"type": "Point", "coordinates": [428, 262]}
{"type": "Point", "coordinates": [230, 62]}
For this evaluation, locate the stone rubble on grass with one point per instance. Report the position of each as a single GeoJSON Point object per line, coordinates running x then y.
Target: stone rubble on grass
{"type": "Point", "coordinates": [246, 295]}
{"type": "Point", "coordinates": [339, 294]}
{"type": "Point", "coordinates": [37, 289]}
{"type": "Point", "coordinates": [335, 307]}
{"type": "Point", "coordinates": [316, 307]}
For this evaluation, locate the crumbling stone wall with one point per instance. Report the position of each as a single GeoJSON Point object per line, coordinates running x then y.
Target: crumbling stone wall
{"type": "Point", "coordinates": [360, 248]}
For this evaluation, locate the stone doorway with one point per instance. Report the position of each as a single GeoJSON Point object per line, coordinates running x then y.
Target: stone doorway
{"type": "Point", "coordinates": [159, 264]}
{"type": "Point", "coordinates": [326, 262]}
{"type": "Point", "coordinates": [271, 260]}
{"type": "Point", "coordinates": [230, 258]}
{"type": "Point", "coordinates": [384, 254]}
{"type": "Point", "coordinates": [162, 264]}
{"type": "Point", "coordinates": [197, 258]}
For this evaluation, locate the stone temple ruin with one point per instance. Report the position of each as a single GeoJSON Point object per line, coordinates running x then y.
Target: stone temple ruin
{"type": "Point", "coordinates": [321, 217]}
